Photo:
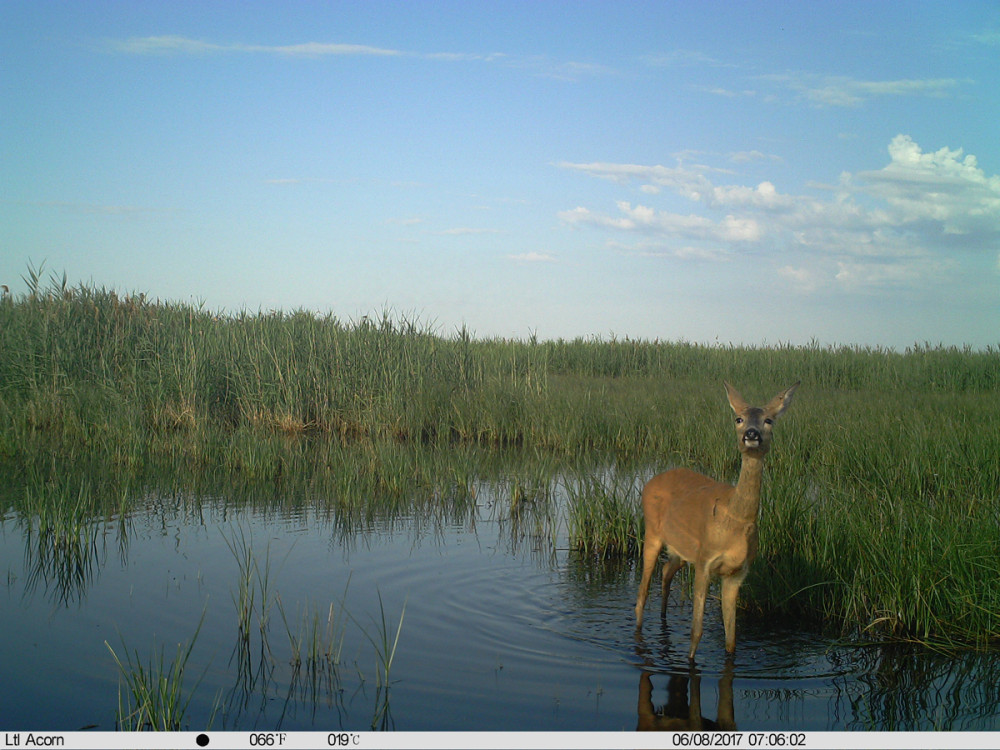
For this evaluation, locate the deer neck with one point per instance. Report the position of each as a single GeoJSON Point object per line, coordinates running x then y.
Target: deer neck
{"type": "Point", "coordinates": [746, 498]}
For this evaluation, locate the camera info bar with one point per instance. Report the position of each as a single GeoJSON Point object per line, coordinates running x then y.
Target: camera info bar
{"type": "Point", "coordinates": [495, 740]}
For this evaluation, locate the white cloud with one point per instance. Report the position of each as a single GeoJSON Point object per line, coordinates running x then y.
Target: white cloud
{"type": "Point", "coordinates": [685, 58]}
{"type": "Point", "coordinates": [802, 279]}
{"type": "Point", "coordinates": [692, 226]}
{"type": "Point", "coordinates": [842, 91]}
{"type": "Point", "coordinates": [684, 252]}
{"type": "Point", "coordinates": [763, 196]}
{"type": "Point", "coordinates": [745, 157]}
{"type": "Point", "coordinates": [989, 38]}
{"type": "Point", "coordinates": [539, 65]}
{"type": "Point", "coordinates": [875, 275]}
{"type": "Point", "coordinates": [581, 215]}
{"type": "Point", "coordinates": [160, 45]}
{"type": "Point", "coordinates": [683, 180]}
{"type": "Point", "coordinates": [894, 227]}
{"type": "Point", "coordinates": [941, 187]}
{"type": "Point", "coordinates": [719, 91]}
{"type": "Point", "coordinates": [318, 49]}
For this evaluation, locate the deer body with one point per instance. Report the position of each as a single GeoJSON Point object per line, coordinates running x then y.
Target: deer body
{"type": "Point", "coordinates": [708, 523]}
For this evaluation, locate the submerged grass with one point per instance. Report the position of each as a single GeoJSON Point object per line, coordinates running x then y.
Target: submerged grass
{"type": "Point", "coordinates": [881, 509]}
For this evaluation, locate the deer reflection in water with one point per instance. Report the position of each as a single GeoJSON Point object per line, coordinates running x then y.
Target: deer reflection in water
{"type": "Point", "coordinates": [682, 711]}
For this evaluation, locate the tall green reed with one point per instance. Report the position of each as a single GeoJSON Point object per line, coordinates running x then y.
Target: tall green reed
{"type": "Point", "coordinates": [87, 365]}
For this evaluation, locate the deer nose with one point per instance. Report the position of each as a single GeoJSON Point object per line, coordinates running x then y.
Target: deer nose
{"type": "Point", "coordinates": [752, 435]}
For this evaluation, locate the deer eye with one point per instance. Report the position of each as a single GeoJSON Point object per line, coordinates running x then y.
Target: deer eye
{"type": "Point", "coordinates": [739, 420]}
{"type": "Point", "coordinates": [769, 421]}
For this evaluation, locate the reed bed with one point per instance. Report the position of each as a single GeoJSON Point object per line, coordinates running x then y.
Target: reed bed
{"type": "Point", "coordinates": [85, 366]}
{"type": "Point", "coordinates": [881, 511]}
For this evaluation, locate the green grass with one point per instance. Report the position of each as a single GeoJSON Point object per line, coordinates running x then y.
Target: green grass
{"type": "Point", "coordinates": [881, 511]}
{"type": "Point", "coordinates": [603, 515]}
{"type": "Point", "coordinates": [152, 696]}
{"type": "Point", "coordinates": [385, 644]}
{"type": "Point", "coordinates": [86, 366]}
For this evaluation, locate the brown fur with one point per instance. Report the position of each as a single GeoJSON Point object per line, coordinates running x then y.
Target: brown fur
{"type": "Point", "coordinates": [707, 523]}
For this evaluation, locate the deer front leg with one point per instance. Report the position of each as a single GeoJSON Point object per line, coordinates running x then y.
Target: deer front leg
{"type": "Point", "coordinates": [701, 578]}
{"type": "Point", "coordinates": [730, 589]}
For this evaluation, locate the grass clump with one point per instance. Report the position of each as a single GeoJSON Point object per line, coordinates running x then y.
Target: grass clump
{"type": "Point", "coordinates": [605, 520]}
{"type": "Point", "coordinates": [154, 697]}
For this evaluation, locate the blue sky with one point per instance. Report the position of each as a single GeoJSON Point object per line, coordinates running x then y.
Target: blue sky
{"type": "Point", "coordinates": [713, 172]}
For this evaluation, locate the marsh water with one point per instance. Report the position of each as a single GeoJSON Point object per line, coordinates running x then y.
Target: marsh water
{"type": "Point", "coordinates": [292, 611]}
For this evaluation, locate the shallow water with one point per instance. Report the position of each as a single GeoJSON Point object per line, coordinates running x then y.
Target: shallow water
{"type": "Point", "coordinates": [498, 632]}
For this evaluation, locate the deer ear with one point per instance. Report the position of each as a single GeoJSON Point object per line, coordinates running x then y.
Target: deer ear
{"type": "Point", "coordinates": [781, 402]}
{"type": "Point", "coordinates": [735, 399]}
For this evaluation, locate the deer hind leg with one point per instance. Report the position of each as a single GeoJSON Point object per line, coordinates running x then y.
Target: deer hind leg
{"type": "Point", "coordinates": [673, 564]}
{"type": "Point", "coordinates": [701, 579]}
{"type": "Point", "coordinates": [650, 553]}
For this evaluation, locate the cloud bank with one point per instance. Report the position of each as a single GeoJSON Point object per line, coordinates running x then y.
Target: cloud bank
{"type": "Point", "coordinates": [901, 225]}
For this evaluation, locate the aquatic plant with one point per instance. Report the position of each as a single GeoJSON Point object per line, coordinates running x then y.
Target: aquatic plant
{"type": "Point", "coordinates": [385, 653]}
{"type": "Point", "coordinates": [604, 517]}
{"type": "Point", "coordinates": [154, 697]}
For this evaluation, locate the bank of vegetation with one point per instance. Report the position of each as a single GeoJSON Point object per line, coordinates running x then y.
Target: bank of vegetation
{"type": "Point", "coordinates": [882, 494]}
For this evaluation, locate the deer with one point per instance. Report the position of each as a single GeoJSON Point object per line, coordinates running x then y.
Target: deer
{"type": "Point", "coordinates": [710, 524]}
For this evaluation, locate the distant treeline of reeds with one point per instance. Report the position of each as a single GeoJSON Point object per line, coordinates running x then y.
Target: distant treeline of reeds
{"type": "Point", "coordinates": [86, 364]}
{"type": "Point", "coordinates": [881, 504]}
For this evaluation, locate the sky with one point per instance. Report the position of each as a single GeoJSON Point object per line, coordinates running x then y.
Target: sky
{"type": "Point", "coordinates": [712, 172]}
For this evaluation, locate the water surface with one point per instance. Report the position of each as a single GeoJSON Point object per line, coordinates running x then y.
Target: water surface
{"type": "Point", "coordinates": [501, 630]}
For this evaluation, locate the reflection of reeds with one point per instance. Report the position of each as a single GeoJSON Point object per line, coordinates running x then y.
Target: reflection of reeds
{"type": "Point", "coordinates": [385, 652]}
{"type": "Point", "coordinates": [61, 561]}
{"type": "Point", "coordinates": [315, 642]}
{"type": "Point", "coordinates": [254, 596]}
{"type": "Point", "coordinates": [315, 645]}
{"type": "Point", "coordinates": [61, 537]}
{"type": "Point", "coordinates": [253, 599]}
{"type": "Point", "coordinates": [902, 688]}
